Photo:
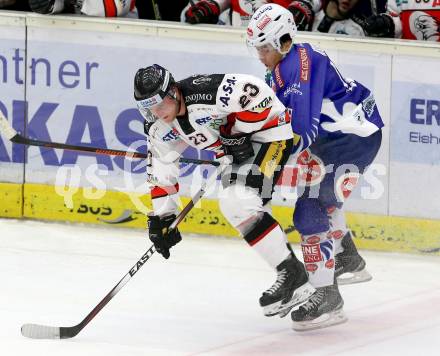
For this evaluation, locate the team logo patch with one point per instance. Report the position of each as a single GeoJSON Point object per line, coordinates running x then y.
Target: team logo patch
{"type": "Point", "coordinates": [263, 22]}
{"type": "Point", "coordinates": [368, 105]}
{"type": "Point", "coordinates": [345, 185]}
{"type": "Point", "coordinates": [201, 80]}
{"type": "Point", "coordinates": [263, 105]}
{"type": "Point", "coordinates": [279, 80]}
{"type": "Point", "coordinates": [326, 248]}
{"type": "Point", "coordinates": [311, 169]}
{"type": "Point", "coordinates": [313, 239]}
{"type": "Point", "coordinates": [337, 234]}
{"type": "Point", "coordinates": [311, 253]}
{"type": "Point", "coordinates": [203, 120]}
{"type": "Point", "coordinates": [304, 64]}
{"type": "Point", "coordinates": [330, 264]}
{"type": "Point", "coordinates": [311, 267]}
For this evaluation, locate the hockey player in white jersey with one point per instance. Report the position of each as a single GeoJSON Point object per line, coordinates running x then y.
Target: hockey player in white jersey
{"type": "Point", "coordinates": [109, 8]}
{"type": "Point", "coordinates": [254, 138]}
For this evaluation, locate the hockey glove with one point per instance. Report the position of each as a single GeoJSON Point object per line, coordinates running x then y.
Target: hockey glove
{"type": "Point", "coordinates": [238, 146]}
{"type": "Point", "coordinates": [205, 11]}
{"type": "Point", "coordinates": [46, 6]}
{"type": "Point", "coordinates": [162, 237]}
{"type": "Point", "coordinates": [379, 26]}
{"type": "Point", "coordinates": [302, 14]}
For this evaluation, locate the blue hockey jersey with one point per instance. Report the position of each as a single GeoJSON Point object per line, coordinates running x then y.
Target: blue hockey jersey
{"type": "Point", "coordinates": [322, 101]}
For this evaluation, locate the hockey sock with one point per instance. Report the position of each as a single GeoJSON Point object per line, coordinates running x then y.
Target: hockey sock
{"type": "Point", "coordinates": [268, 239]}
{"type": "Point", "coordinates": [319, 259]}
{"type": "Point", "coordinates": [338, 227]}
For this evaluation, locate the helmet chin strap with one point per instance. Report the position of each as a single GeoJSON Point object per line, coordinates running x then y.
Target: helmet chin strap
{"type": "Point", "coordinates": [178, 100]}
{"type": "Point", "coordinates": [284, 53]}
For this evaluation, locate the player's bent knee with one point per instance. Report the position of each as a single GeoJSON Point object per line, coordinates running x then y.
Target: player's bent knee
{"type": "Point", "coordinates": [310, 217]}
{"type": "Point", "coordinates": [239, 204]}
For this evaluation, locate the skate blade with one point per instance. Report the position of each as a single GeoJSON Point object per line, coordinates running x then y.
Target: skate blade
{"type": "Point", "coordinates": [300, 296]}
{"type": "Point", "coordinates": [354, 277]}
{"type": "Point", "coordinates": [325, 320]}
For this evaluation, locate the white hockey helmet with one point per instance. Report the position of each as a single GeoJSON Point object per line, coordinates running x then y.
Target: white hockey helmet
{"type": "Point", "coordinates": [268, 25]}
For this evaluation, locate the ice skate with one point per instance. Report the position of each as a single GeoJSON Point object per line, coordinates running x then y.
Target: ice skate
{"type": "Point", "coordinates": [350, 267]}
{"type": "Point", "coordinates": [291, 288]}
{"type": "Point", "coordinates": [323, 309]}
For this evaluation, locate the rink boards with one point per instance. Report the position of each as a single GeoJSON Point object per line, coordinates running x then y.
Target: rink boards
{"type": "Point", "coordinates": [374, 232]}
{"type": "Point", "coordinates": [79, 91]}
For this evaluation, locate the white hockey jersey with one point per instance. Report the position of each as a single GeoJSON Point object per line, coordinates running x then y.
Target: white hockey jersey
{"type": "Point", "coordinates": [420, 19]}
{"type": "Point", "coordinates": [102, 8]}
{"type": "Point", "coordinates": [242, 103]}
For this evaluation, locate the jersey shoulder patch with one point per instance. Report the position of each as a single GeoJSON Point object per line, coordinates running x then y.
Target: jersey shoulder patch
{"type": "Point", "coordinates": [200, 89]}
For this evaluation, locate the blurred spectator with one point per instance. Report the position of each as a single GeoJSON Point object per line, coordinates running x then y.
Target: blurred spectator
{"type": "Point", "coordinates": [223, 12]}
{"type": "Point", "coordinates": [420, 19]}
{"type": "Point", "coordinates": [110, 8]}
{"type": "Point", "coordinates": [351, 17]}
{"type": "Point", "coordinates": [164, 10]}
{"type": "Point", "coordinates": [6, 3]}
{"type": "Point", "coordinates": [19, 5]}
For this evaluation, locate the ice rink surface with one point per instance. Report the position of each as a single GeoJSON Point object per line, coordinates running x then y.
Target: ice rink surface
{"type": "Point", "coordinates": [202, 301]}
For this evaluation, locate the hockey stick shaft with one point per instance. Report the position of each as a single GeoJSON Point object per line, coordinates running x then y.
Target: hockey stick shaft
{"type": "Point", "coordinates": [36, 331]}
{"type": "Point", "coordinates": [15, 137]}
{"type": "Point", "coordinates": [157, 15]}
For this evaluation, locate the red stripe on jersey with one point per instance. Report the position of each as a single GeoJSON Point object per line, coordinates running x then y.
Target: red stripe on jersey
{"type": "Point", "coordinates": [110, 8]}
{"type": "Point", "coordinates": [263, 234]}
{"type": "Point", "coordinates": [159, 192]}
{"type": "Point", "coordinates": [215, 144]}
{"type": "Point", "coordinates": [277, 121]}
{"type": "Point", "coordinates": [250, 116]}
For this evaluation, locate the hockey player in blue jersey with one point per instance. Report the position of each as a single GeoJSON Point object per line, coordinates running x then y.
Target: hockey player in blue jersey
{"type": "Point", "coordinates": [338, 133]}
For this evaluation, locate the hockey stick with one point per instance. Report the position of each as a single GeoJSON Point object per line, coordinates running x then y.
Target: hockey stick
{"type": "Point", "coordinates": [15, 137]}
{"type": "Point", "coordinates": [157, 15]}
{"type": "Point", "coordinates": [37, 331]}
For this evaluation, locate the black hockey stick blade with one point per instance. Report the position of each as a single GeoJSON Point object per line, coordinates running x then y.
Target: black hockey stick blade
{"type": "Point", "coordinates": [11, 134]}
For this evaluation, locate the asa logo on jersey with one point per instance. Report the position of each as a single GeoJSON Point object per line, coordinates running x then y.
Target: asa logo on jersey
{"type": "Point", "coordinates": [304, 63]}
{"type": "Point", "coordinates": [345, 185]}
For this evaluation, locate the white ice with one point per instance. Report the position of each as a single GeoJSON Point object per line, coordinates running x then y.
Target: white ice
{"type": "Point", "coordinates": [202, 301]}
